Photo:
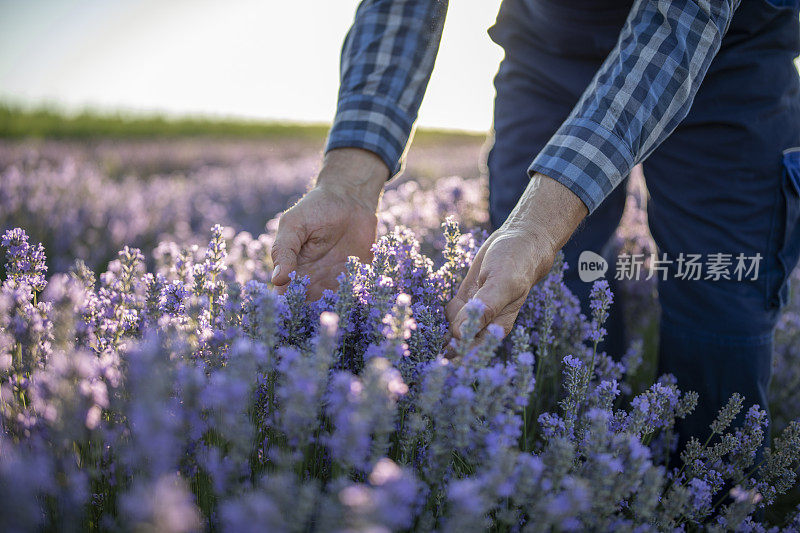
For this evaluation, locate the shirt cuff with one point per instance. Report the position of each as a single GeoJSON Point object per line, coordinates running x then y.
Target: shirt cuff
{"type": "Point", "coordinates": [372, 123]}
{"type": "Point", "coordinates": [586, 158]}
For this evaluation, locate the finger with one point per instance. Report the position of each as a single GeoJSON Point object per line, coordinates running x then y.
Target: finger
{"type": "Point", "coordinates": [495, 299]}
{"type": "Point", "coordinates": [469, 285]}
{"type": "Point", "coordinates": [467, 288]}
{"type": "Point", "coordinates": [450, 352]}
{"type": "Point", "coordinates": [495, 328]}
{"type": "Point", "coordinates": [288, 241]}
{"type": "Point", "coordinates": [451, 312]}
{"type": "Point", "coordinates": [506, 319]}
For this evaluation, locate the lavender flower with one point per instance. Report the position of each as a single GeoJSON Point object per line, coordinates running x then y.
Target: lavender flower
{"type": "Point", "coordinates": [195, 396]}
{"type": "Point", "coordinates": [600, 300]}
{"type": "Point", "coordinates": [25, 264]}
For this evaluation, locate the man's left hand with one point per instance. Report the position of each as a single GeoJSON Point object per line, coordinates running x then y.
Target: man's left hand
{"type": "Point", "coordinates": [508, 264]}
{"type": "Point", "coordinates": [518, 255]}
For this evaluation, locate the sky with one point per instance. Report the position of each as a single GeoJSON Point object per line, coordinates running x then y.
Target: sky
{"type": "Point", "coordinates": [265, 59]}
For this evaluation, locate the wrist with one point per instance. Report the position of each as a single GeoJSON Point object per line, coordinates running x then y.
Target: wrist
{"type": "Point", "coordinates": [547, 211]}
{"type": "Point", "coordinates": [354, 172]}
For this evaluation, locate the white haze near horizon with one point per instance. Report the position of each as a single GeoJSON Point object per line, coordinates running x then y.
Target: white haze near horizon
{"type": "Point", "coordinates": [262, 59]}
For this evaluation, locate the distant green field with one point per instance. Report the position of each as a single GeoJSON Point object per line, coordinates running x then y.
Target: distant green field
{"type": "Point", "coordinates": [44, 122]}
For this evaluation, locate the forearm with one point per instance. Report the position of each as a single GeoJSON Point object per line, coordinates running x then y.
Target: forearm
{"type": "Point", "coordinates": [547, 210]}
{"type": "Point", "coordinates": [638, 97]}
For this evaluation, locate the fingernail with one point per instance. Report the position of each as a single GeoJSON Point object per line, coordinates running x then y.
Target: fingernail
{"type": "Point", "coordinates": [275, 272]}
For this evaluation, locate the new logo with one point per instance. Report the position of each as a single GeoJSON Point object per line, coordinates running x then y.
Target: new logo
{"type": "Point", "coordinates": [591, 266]}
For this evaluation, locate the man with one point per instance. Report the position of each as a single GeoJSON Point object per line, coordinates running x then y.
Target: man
{"type": "Point", "coordinates": [587, 90]}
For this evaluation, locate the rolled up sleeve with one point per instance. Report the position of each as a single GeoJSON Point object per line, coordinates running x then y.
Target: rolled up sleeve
{"type": "Point", "coordinates": [387, 60]}
{"type": "Point", "coordinates": [643, 90]}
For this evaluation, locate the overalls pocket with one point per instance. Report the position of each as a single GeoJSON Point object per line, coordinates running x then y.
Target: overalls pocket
{"type": "Point", "coordinates": [789, 250]}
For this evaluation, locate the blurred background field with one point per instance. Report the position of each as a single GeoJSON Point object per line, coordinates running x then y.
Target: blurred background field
{"type": "Point", "coordinates": [87, 184]}
{"type": "Point", "coordinates": [18, 122]}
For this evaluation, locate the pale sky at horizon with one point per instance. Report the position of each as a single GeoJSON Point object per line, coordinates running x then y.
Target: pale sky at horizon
{"type": "Point", "coordinates": [265, 59]}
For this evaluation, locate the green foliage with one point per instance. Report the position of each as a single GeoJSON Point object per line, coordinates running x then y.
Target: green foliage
{"type": "Point", "coordinates": [51, 122]}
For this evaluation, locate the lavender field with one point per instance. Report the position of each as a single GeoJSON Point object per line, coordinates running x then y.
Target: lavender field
{"type": "Point", "coordinates": [99, 196]}
{"type": "Point", "coordinates": [152, 380]}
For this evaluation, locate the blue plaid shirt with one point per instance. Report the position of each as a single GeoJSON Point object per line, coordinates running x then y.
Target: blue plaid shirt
{"type": "Point", "coordinates": [643, 90]}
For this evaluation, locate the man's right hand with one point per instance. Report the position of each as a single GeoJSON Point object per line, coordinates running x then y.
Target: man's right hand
{"type": "Point", "coordinates": [334, 220]}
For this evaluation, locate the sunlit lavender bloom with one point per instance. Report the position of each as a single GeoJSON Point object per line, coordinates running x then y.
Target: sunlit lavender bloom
{"type": "Point", "coordinates": [741, 495]}
{"type": "Point", "coordinates": [24, 262]}
{"type": "Point", "coordinates": [295, 322]}
{"type": "Point", "coordinates": [172, 298]}
{"type": "Point", "coordinates": [25, 329]}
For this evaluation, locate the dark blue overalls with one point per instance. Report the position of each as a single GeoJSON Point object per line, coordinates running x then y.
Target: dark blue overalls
{"type": "Point", "coordinates": [721, 183]}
